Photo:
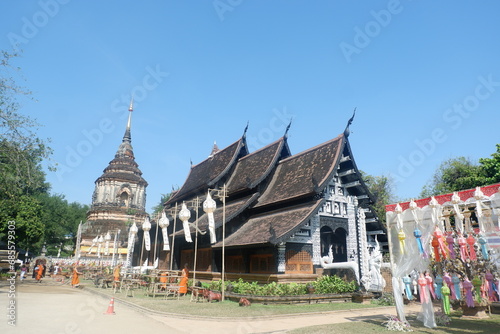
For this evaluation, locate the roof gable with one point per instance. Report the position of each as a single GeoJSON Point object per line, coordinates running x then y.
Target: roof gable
{"type": "Point", "coordinates": [253, 168]}
{"type": "Point", "coordinates": [272, 227]}
{"type": "Point", "coordinates": [209, 171]}
{"type": "Point", "coordinates": [303, 174]}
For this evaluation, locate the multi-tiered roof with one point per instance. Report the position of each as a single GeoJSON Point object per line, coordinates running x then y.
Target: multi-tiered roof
{"type": "Point", "coordinates": [271, 193]}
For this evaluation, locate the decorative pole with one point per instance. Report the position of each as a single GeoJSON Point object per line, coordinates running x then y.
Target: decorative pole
{"type": "Point", "coordinates": [173, 238]}
{"type": "Point", "coordinates": [99, 247]}
{"type": "Point", "coordinates": [146, 226]}
{"type": "Point", "coordinates": [156, 237]}
{"type": "Point", "coordinates": [163, 223]}
{"type": "Point", "coordinates": [131, 241]}
{"type": "Point", "coordinates": [107, 238]}
{"type": "Point", "coordinates": [78, 243]}
{"type": "Point", "coordinates": [196, 204]}
{"type": "Point", "coordinates": [222, 194]}
{"type": "Point", "coordinates": [115, 247]}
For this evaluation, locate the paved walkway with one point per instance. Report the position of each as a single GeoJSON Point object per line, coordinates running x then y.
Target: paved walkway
{"type": "Point", "coordinates": [50, 308]}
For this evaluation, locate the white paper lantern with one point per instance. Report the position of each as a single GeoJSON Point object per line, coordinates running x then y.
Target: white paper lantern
{"type": "Point", "coordinates": [209, 207]}
{"type": "Point", "coordinates": [184, 216]}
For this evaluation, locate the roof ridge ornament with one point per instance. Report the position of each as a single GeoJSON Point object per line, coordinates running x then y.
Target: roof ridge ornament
{"type": "Point", "coordinates": [288, 128]}
{"type": "Point", "coordinates": [245, 131]}
{"type": "Point", "coordinates": [130, 109]}
{"type": "Point", "coordinates": [349, 122]}
{"type": "Point", "coordinates": [215, 149]}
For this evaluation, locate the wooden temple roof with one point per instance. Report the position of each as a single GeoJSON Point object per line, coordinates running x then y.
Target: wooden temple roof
{"type": "Point", "coordinates": [272, 227]}
{"type": "Point", "coordinates": [255, 167]}
{"type": "Point", "coordinates": [271, 193]}
{"type": "Point", "coordinates": [208, 172]}
{"type": "Point", "coordinates": [303, 174]}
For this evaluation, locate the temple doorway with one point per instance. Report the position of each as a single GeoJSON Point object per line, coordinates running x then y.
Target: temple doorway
{"type": "Point", "coordinates": [337, 241]}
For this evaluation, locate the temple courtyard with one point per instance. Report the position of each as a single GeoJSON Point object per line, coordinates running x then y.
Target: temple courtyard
{"type": "Point", "coordinates": [50, 307]}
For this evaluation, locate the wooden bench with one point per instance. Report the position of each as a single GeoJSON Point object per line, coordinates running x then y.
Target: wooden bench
{"type": "Point", "coordinates": [163, 289]}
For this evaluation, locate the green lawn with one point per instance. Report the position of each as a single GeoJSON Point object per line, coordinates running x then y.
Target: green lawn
{"type": "Point", "coordinates": [228, 309]}
{"type": "Point", "coordinates": [458, 325]}
{"type": "Point", "coordinates": [225, 309]}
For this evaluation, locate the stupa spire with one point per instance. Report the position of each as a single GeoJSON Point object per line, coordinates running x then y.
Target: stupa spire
{"type": "Point", "coordinates": [127, 136]}
{"type": "Point", "coordinates": [125, 148]}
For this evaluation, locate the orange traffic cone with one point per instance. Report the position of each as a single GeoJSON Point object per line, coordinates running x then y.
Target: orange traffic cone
{"type": "Point", "coordinates": [111, 307]}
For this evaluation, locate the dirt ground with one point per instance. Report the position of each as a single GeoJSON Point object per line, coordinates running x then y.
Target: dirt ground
{"type": "Point", "coordinates": [53, 308]}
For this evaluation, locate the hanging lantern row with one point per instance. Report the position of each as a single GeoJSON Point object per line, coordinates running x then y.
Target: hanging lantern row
{"type": "Point", "coordinates": [209, 206]}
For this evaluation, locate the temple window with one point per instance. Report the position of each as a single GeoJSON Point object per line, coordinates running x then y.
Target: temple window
{"type": "Point", "coordinates": [298, 262]}
{"type": "Point", "coordinates": [124, 199]}
{"type": "Point", "coordinates": [328, 207]}
{"type": "Point", "coordinates": [336, 208]}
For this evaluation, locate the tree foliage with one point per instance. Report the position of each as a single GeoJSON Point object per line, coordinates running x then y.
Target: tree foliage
{"type": "Point", "coordinates": [24, 193]}
{"type": "Point", "coordinates": [461, 173]}
{"type": "Point", "coordinates": [21, 150]}
{"type": "Point", "coordinates": [159, 207]}
{"type": "Point", "coordinates": [491, 167]}
{"type": "Point", "coordinates": [382, 190]}
{"type": "Point", "coordinates": [60, 219]}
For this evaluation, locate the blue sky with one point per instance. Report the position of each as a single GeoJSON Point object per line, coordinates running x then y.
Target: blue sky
{"type": "Point", "coordinates": [423, 75]}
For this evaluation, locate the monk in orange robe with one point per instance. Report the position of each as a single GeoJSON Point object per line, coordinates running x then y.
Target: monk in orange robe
{"type": "Point", "coordinates": [39, 272]}
{"type": "Point", "coordinates": [116, 275]}
{"type": "Point", "coordinates": [163, 279]}
{"type": "Point", "coordinates": [184, 280]}
{"type": "Point", "coordinates": [75, 280]}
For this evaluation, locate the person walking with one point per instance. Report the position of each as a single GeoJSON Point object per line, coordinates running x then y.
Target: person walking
{"type": "Point", "coordinates": [116, 276]}
{"type": "Point", "coordinates": [39, 272]}
{"type": "Point", "coordinates": [75, 280]}
{"type": "Point", "coordinates": [24, 270]}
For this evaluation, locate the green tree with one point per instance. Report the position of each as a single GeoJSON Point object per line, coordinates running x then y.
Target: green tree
{"type": "Point", "coordinates": [20, 170]}
{"type": "Point", "coordinates": [26, 212]}
{"type": "Point", "coordinates": [461, 173]}
{"type": "Point", "coordinates": [21, 149]}
{"type": "Point", "coordinates": [490, 167]}
{"type": "Point", "coordinates": [159, 207]}
{"type": "Point", "coordinates": [61, 221]}
{"type": "Point", "coordinates": [382, 190]}
{"type": "Point", "coordinates": [21, 154]}
{"type": "Point", "coordinates": [454, 175]}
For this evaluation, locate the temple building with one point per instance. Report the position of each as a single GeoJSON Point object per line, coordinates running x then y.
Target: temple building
{"type": "Point", "coordinates": [119, 200]}
{"type": "Point", "coordinates": [287, 216]}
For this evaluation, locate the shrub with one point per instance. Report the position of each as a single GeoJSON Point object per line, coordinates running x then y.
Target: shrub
{"type": "Point", "coordinates": [324, 284]}
{"type": "Point", "coordinates": [333, 284]}
{"type": "Point", "coordinates": [387, 299]}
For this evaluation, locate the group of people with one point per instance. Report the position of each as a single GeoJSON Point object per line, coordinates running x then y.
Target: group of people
{"type": "Point", "coordinates": [38, 271]}
{"type": "Point", "coordinates": [40, 268]}
{"type": "Point", "coordinates": [183, 283]}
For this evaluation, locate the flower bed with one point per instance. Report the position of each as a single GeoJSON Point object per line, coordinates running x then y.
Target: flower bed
{"type": "Point", "coordinates": [295, 299]}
